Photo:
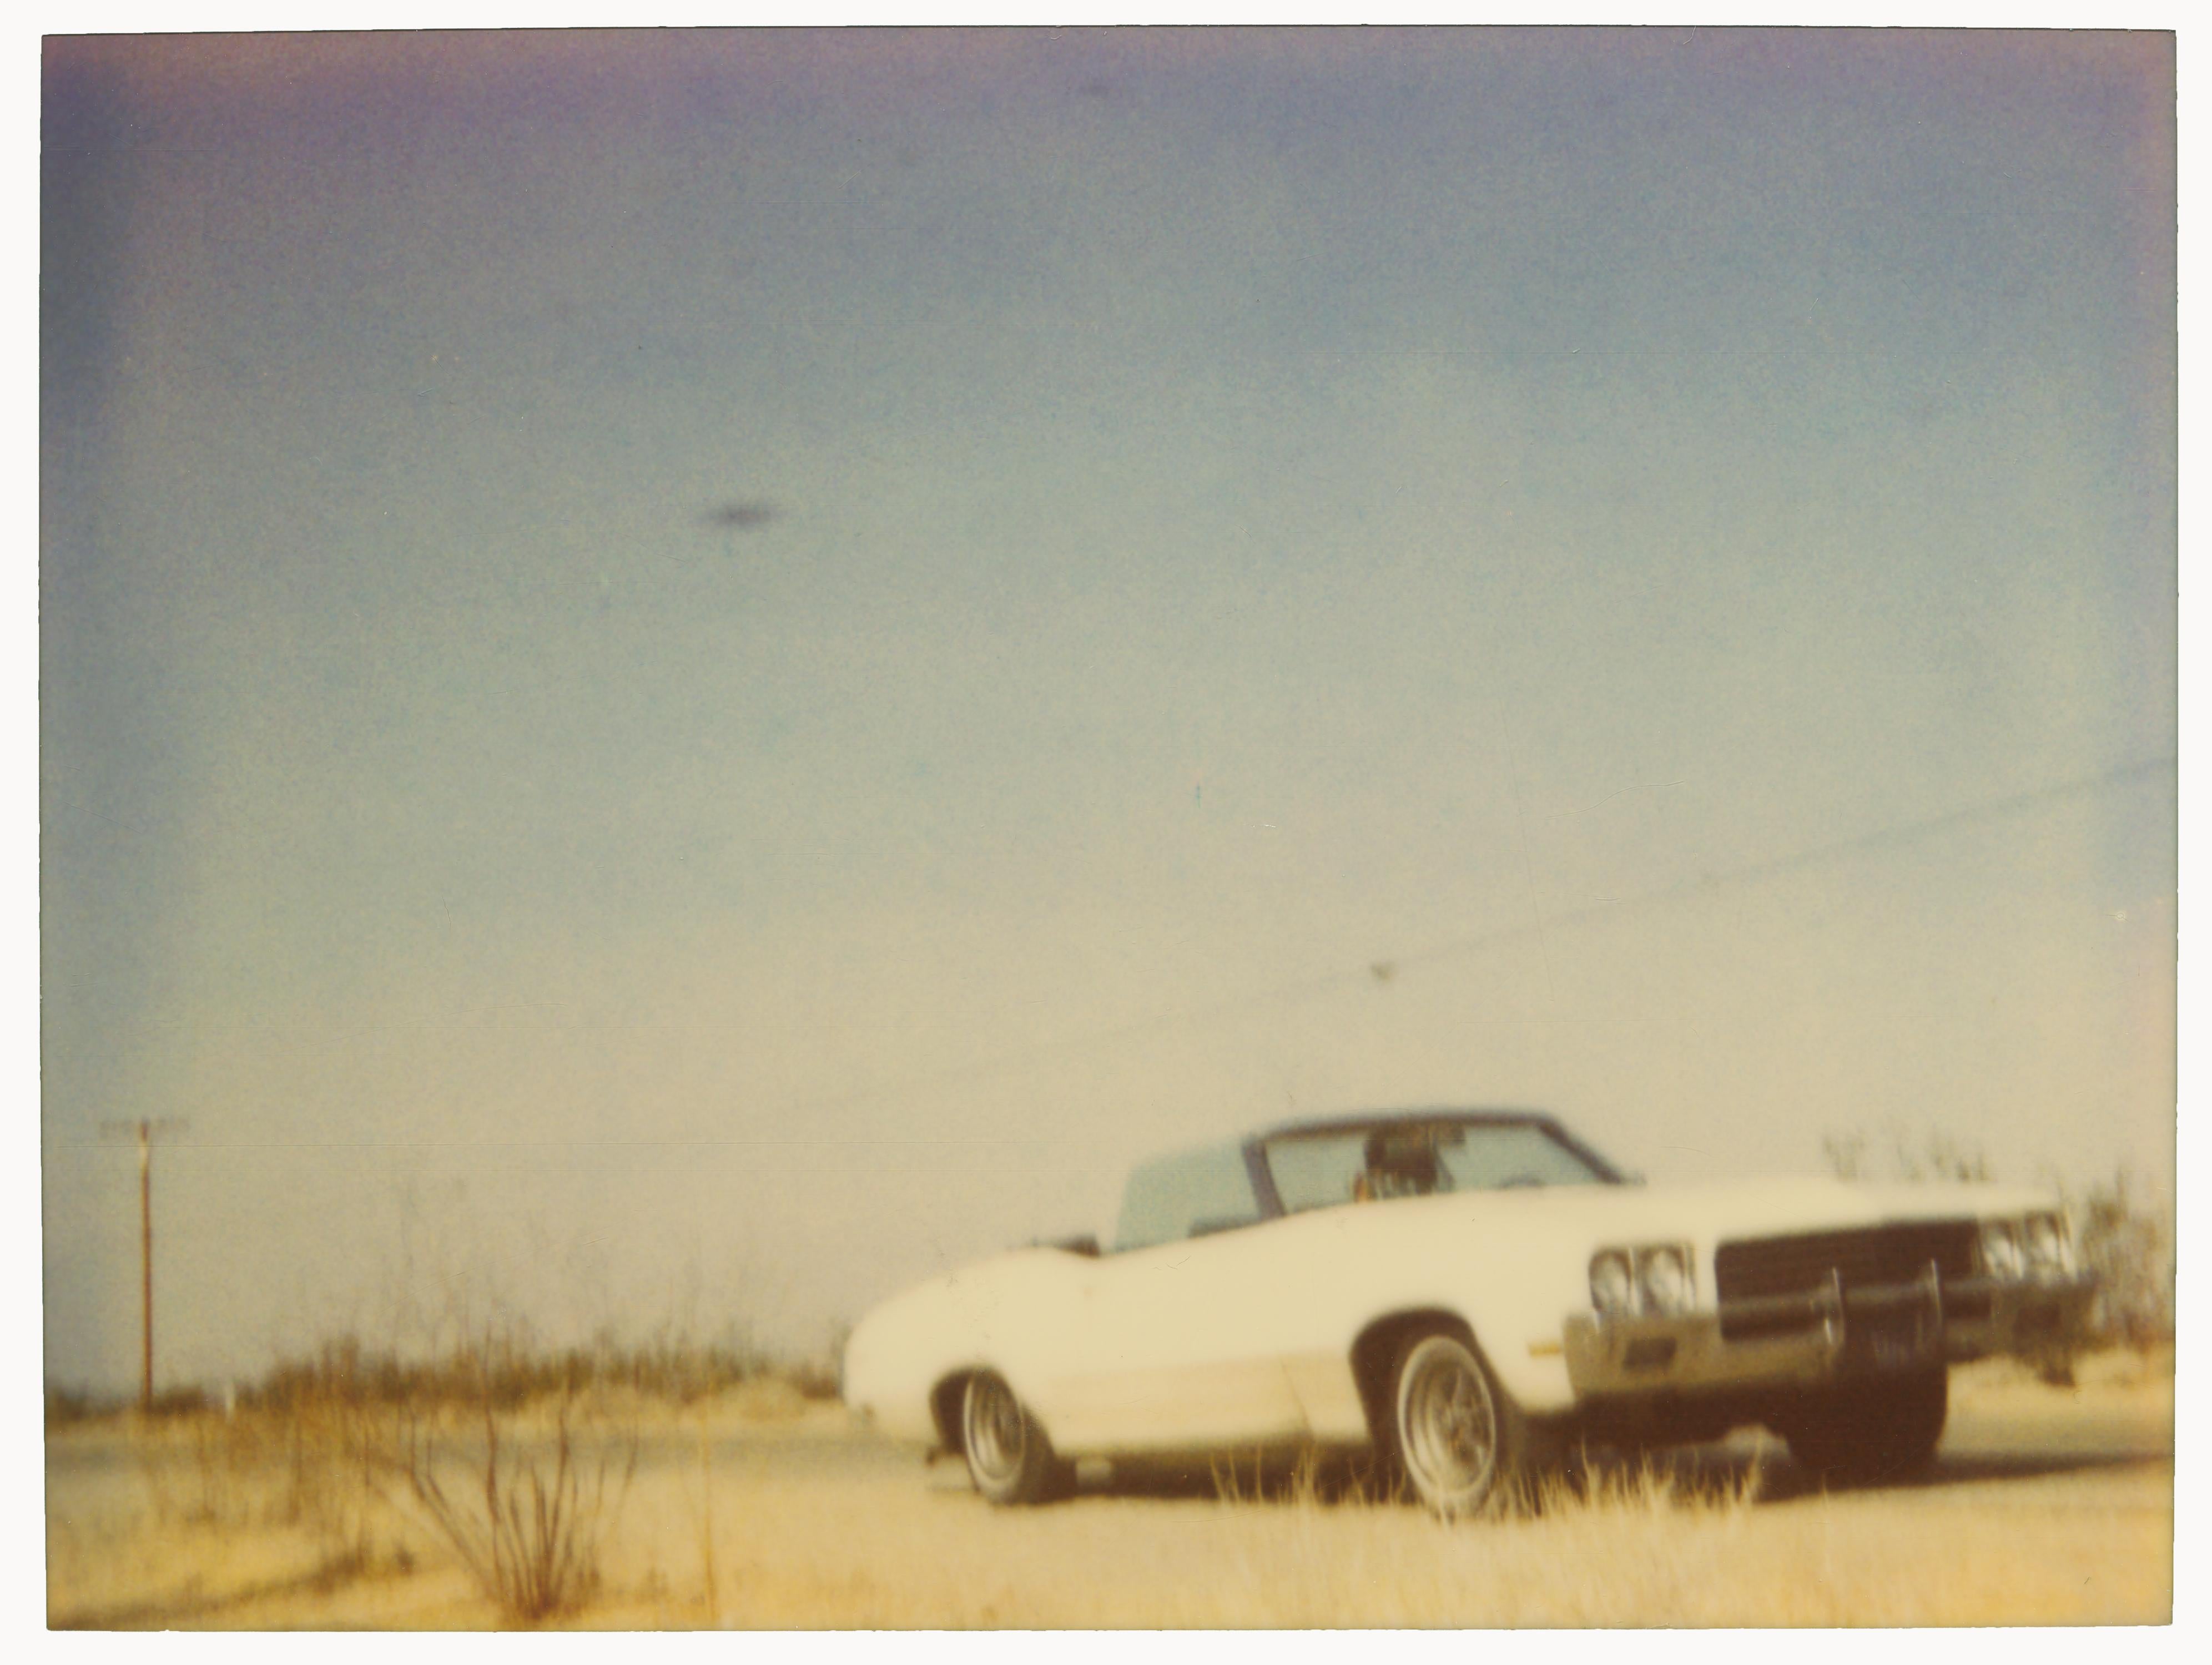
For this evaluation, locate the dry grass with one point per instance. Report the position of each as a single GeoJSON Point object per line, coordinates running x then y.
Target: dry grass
{"type": "Point", "coordinates": [1640, 1550]}
{"type": "Point", "coordinates": [761, 1510]}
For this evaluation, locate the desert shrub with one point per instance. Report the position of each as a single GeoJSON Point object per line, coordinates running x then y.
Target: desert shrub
{"type": "Point", "coordinates": [485, 1445]}
{"type": "Point", "coordinates": [2126, 1239]}
{"type": "Point", "coordinates": [509, 1373]}
{"type": "Point", "coordinates": [174, 1404]}
{"type": "Point", "coordinates": [67, 1407]}
{"type": "Point", "coordinates": [814, 1379]}
{"type": "Point", "coordinates": [1937, 1157]}
{"type": "Point", "coordinates": [526, 1522]}
{"type": "Point", "coordinates": [517, 1456]}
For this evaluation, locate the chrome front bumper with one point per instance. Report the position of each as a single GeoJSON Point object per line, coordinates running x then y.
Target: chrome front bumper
{"type": "Point", "coordinates": [1789, 1339]}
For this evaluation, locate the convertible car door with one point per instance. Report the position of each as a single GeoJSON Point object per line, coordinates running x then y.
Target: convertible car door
{"type": "Point", "coordinates": [1181, 1347]}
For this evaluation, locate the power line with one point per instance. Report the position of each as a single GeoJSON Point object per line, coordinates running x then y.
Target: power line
{"type": "Point", "coordinates": [1385, 969]}
{"type": "Point", "coordinates": [1382, 970]}
{"type": "Point", "coordinates": [1908, 832]}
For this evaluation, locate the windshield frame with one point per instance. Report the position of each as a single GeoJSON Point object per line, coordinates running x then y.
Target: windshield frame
{"type": "Point", "coordinates": [1602, 1171]}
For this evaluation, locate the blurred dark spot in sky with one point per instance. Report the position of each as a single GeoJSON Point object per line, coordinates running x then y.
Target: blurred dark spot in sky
{"type": "Point", "coordinates": [745, 514]}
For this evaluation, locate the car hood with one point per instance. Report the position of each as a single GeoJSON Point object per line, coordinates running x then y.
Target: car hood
{"type": "Point", "coordinates": [1712, 1211]}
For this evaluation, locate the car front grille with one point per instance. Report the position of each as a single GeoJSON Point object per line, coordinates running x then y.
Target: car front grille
{"type": "Point", "coordinates": [1760, 1269]}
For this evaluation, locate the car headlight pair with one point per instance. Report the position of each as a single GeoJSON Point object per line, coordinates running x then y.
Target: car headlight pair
{"type": "Point", "coordinates": [1654, 1280]}
{"type": "Point", "coordinates": [2037, 1247]}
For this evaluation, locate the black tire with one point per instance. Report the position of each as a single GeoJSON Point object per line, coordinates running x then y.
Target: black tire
{"type": "Point", "coordinates": [1862, 1431]}
{"type": "Point", "coordinates": [1454, 1438]}
{"type": "Point", "coordinates": [1008, 1458]}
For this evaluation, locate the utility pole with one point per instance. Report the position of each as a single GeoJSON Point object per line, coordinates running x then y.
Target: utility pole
{"type": "Point", "coordinates": [145, 1131]}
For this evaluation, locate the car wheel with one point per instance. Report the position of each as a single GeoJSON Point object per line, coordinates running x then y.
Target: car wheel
{"type": "Point", "coordinates": [1009, 1457]}
{"type": "Point", "coordinates": [1460, 1442]}
{"type": "Point", "coordinates": [1871, 1430]}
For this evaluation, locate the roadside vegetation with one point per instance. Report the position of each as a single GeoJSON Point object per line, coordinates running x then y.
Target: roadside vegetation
{"type": "Point", "coordinates": [2054, 1508]}
{"type": "Point", "coordinates": [760, 1507]}
{"type": "Point", "coordinates": [510, 1463]}
{"type": "Point", "coordinates": [2122, 1232]}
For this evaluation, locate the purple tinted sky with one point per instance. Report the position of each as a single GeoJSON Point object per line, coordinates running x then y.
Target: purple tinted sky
{"type": "Point", "coordinates": [1243, 506]}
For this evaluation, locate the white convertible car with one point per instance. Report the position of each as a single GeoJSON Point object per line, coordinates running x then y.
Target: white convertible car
{"type": "Point", "coordinates": [1457, 1294]}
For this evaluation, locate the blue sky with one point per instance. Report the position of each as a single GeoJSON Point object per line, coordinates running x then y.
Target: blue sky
{"type": "Point", "coordinates": [1222, 511]}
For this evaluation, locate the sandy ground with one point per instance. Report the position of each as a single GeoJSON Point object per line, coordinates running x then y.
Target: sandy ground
{"type": "Point", "coordinates": [2047, 1506]}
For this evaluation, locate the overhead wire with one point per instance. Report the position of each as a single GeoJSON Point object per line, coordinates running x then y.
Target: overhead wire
{"type": "Point", "coordinates": [1380, 971]}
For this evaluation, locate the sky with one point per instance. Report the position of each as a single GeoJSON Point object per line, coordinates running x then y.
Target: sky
{"type": "Point", "coordinates": [685, 678]}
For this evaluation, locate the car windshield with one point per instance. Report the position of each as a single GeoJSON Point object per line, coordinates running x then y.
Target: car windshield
{"type": "Point", "coordinates": [1360, 1165]}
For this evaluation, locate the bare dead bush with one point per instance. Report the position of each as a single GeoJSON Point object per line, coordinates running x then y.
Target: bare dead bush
{"type": "Point", "coordinates": [525, 1508]}
{"type": "Point", "coordinates": [526, 1524]}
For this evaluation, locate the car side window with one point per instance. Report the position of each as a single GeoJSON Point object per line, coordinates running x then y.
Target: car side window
{"type": "Point", "coordinates": [1316, 1171]}
{"type": "Point", "coordinates": [1189, 1196]}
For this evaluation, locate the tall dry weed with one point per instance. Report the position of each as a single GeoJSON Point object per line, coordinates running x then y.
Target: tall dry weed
{"type": "Point", "coordinates": [1576, 1486]}
{"type": "Point", "coordinates": [1646, 1484]}
{"type": "Point", "coordinates": [526, 1510]}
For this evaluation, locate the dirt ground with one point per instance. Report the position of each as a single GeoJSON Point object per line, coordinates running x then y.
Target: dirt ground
{"type": "Point", "coordinates": [2047, 1506]}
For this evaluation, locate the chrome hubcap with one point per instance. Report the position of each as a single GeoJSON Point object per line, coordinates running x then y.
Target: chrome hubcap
{"type": "Point", "coordinates": [1450, 1424]}
{"type": "Point", "coordinates": [997, 1434]}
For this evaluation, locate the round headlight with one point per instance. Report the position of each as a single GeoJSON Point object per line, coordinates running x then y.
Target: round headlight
{"type": "Point", "coordinates": [2047, 1255]}
{"type": "Point", "coordinates": [1612, 1286]}
{"type": "Point", "coordinates": [1667, 1286]}
{"type": "Point", "coordinates": [2001, 1252]}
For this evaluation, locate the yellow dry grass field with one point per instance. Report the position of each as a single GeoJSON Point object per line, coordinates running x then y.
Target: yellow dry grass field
{"type": "Point", "coordinates": [760, 1509]}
